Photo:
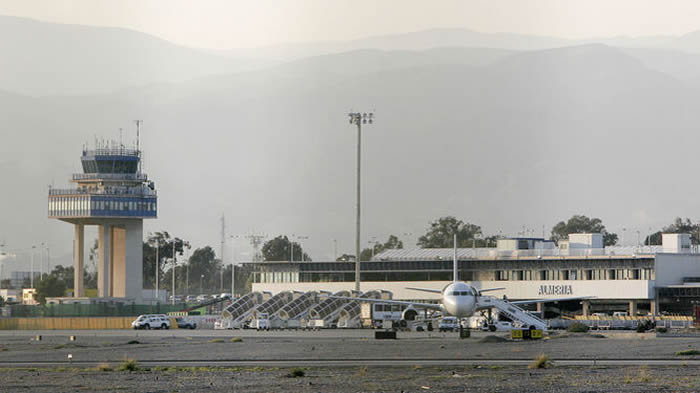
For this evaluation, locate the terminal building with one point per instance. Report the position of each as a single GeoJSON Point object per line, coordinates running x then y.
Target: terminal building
{"type": "Point", "coordinates": [640, 280]}
{"type": "Point", "coordinates": [114, 195]}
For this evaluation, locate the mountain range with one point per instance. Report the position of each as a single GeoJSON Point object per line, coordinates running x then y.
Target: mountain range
{"type": "Point", "coordinates": [499, 136]}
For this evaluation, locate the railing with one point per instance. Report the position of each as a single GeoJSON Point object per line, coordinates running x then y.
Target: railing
{"type": "Point", "coordinates": [113, 151]}
{"type": "Point", "coordinates": [115, 191]}
{"type": "Point", "coordinates": [110, 176]}
{"type": "Point", "coordinates": [439, 254]}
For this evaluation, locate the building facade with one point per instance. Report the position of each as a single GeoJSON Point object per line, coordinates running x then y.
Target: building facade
{"type": "Point", "coordinates": [635, 279]}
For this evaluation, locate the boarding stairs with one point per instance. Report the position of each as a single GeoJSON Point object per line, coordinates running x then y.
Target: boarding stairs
{"type": "Point", "coordinates": [515, 313]}
{"type": "Point", "coordinates": [237, 312]}
{"type": "Point", "coordinates": [324, 314]}
{"type": "Point", "coordinates": [349, 314]}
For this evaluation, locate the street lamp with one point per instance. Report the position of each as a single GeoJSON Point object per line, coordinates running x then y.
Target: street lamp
{"type": "Point", "coordinates": [31, 274]}
{"type": "Point", "coordinates": [233, 265]}
{"type": "Point", "coordinates": [201, 278]}
{"type": "Point", "coordinates": [300, 238]}
{"type": "Point", "coordinates": [359, 119]}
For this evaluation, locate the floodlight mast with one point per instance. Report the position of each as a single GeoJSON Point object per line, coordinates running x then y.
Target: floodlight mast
{"type": "Point", "coordinates": [359, 119]}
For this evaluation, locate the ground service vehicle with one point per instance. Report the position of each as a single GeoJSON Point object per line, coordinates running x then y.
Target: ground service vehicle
{"type": "Point", "coordinates": [183, 323]}
{"type": "Point", "coordinates": [151, 321]}
{"type": "Point", "coordinates": [448, 324]}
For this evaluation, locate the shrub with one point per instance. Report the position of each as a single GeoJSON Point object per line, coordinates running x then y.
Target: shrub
{"type": "Point", "coordinates": [296, 373]}
{"type": "Point", "coordinates": [661, 330]}
{"type": "Point", "coordinates": [541, 361]}
{"type": "Point", "coordinates": [577, 327]}
{"type": "Point", "coordinates": [133, 342]}
{"type": "Point", "coordinates": [236, 340]}
{"type": "Point", "coordinates": [129, 365]}
{"type": "Point", "coordinates": [688, 352]}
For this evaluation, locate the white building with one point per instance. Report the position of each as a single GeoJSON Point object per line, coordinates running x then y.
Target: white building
{"type": "Point", "coordinates": [638, 279]}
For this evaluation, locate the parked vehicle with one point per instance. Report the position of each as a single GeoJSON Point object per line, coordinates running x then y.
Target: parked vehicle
{"type": "Point", "coordinates": [151, 321]}
{"type": "Point", "coordinates": [448, 324]}
{"type": "Point", "coordinates": [183, 323]}
{"type": "Point", "coordinates": [262, 322]}
{"type": "Point", "coordinates": [497, 326]}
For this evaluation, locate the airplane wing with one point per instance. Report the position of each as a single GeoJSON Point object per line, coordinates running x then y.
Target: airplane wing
{"type": "Point", "coordinates": [489, 289]}
{"type": "Point", "coordinates": [561, 299]}
{"type": "Point", "coordinates": [430, 306]}
{"type": "Point", "coordinates": [425, 289]}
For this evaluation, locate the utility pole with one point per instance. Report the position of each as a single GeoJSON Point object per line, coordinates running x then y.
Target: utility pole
{"type": "Point", "coordinates": [138, 138]}
{"type": "Point", "coordinates": [223, 242]}
{"type": "Point", "coordinates": [31, 274]}
{"type": "Point", "coordinates": [359, 119]}
{"type": "Point", "coordinates": [157, 267]}
{"type": "Point", "coordinates": [174, 266]}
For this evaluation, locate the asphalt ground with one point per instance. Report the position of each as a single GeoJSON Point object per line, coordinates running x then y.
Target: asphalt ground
{"type": "Point", "coordinates": [341, 361]}
{"type": "Point", "coordinates": [334, 346]}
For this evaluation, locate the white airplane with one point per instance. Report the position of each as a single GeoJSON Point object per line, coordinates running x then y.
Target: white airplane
{"type": "Point", "coordinates": [461, 300]}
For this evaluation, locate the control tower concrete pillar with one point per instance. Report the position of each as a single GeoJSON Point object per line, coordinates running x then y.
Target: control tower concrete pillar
{"type": "Point", "coordinates": [78, 261]}
{"type": "Point", "coordinates": [104, 250]}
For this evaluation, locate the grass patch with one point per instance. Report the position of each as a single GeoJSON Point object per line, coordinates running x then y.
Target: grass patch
{"type": "Point", "coordinates": [216, 340]}
{"type": "Point", "coordinates": [129, 365]}
{"type": "Point", "coordinates": [104, 367]}
{"type": "Point", "coordinates": [132, 342]}
{"type": "Point", "coordinates": [577, 327]}
{"type": "Point", "coordinates": [296, 373]}
{"type": "Point", "coordinates": [541, 361]}
{"type": "Point", "coordinates": [59, 346]}
{"type": "Point", "coordinates": [4, 349]}
{"type": "Point", "coordinates": [688, 352]}
{"type": "Point", "coordinates": [236, 340]}
{"type": "Point", "coordinates": [361, 372]}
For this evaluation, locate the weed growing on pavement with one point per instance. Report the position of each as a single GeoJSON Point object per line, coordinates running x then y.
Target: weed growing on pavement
{"type": "Point", "coordinates": [104, 367]}
{"type": "Point", "coordinates": [216, 340]}
{"type": "Point", "coordinates": [688, 352]}
{"type": "Point", "coordinates": [541, 361]}
{"type": "Point", "coordinates": [236, 340]}
{"type": "Point", "coordinates": [296, 373]}
{"type": "Point", "coordinates": [129, 365]}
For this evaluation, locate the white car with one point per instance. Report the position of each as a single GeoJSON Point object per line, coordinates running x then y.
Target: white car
{"type": "Point", "coordinates": [448, 324]}
{"type": "Point", "coordinates": [151, 321]}
{"type": "Point", "coordinates": [497, 326]}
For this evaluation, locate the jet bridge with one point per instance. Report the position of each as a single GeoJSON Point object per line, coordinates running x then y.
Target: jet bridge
{"type": "Point", "coordinates": [237, 312]}
{"type": "Point", "coordinates": [326, 312]}
{"type": "Point", "coordinates": [349, 314]}
{"type": "Point", "coordinates": [512, 311]}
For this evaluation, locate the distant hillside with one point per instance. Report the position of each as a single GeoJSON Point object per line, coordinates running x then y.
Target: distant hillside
{"type": "Point", "coordinates": [40, 58]}
{"type": "Point", "coordinates": [527, 138]}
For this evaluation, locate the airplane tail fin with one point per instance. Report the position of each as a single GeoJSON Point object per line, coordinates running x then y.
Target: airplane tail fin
{"type": "Point", "coordinates": [455, 274]}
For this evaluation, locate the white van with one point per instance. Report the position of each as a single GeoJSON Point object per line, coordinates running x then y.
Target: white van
{"type": "Point", "coordinates": [151, 321]}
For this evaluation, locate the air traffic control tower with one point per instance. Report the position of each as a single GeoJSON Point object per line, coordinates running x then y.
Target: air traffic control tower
{"type": "Point", "coordinates": [113, 194]}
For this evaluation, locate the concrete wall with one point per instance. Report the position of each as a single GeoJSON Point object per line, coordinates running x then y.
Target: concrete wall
{"type": "Point", "coordinates": [671, 268]}
{"type": "Point", "coordinates": [601, 289]}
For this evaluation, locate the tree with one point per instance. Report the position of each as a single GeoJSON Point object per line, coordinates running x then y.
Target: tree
{"type": "Point", "coordinates": [164, 243]}
{"type": "Point", "coordinates": [2, 301]}
{"type": "Point", "coordinates": [677, 226]}
{"type": "Point", "coordinates": [582, 224]}
{"type": "Point", "coordinates": [441, 233]}
{"type": "Point", "coordinates": [6, 283]}
{"type": "Point", "coordinates": [49, 286]}
{"type": "Point", "coordinates": [392, 243]}
{"type": "Point", "coordinates": [346, 258]}
{"type": "Point", "coordinates": [65, 274]}
{"type": "Point", "coordinates": [281, 249]}
{"type": "Point", "coordinates": [203, 262]}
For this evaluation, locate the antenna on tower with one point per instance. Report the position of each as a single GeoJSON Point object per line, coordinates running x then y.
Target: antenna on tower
{"type": "Point", "coordinates": [138, 141]}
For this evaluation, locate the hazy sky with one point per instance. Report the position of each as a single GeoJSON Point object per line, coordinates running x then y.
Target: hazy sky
{"type": "Point", "coordinates": [222, 24]}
